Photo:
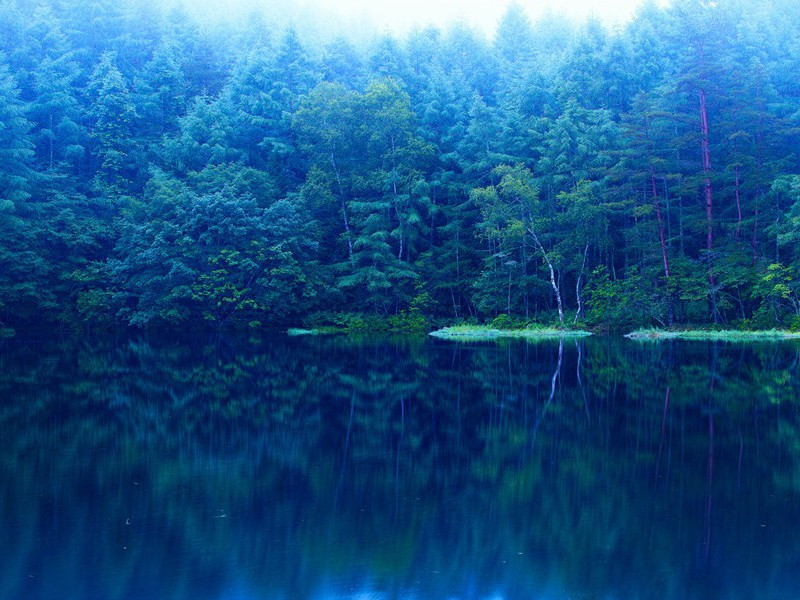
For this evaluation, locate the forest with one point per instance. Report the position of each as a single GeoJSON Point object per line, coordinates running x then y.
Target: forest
{"type": "Point", "coordinates": [158, 172]}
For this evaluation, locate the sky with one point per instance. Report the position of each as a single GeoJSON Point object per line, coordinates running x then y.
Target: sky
{"type": "Point", "coordinates": [399, 16]}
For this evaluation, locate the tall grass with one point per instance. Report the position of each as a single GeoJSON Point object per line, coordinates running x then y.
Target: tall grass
{"type": "Point", "coordinates": [730, 335]}
{"type": "Point", "coordinates": [486, 332]}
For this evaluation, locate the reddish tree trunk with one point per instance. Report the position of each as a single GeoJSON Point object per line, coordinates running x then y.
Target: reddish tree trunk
{"type": "Point", "coordinates": [661, 236]}
{"type": "Point", "coordinates": [670, 309]}
{"type": "Point", "coordinates": [738, 206]}
{"type": "Point", "coordinates": [709, 198]}
{"type": "Point", "coordinates": [707, 173]}
{"type": "Point", "coordinates": [758, 187]}
{"type": "Point", "coordinates": [736, 189]}
{"type": "Point", "coordinates": [657, 204]}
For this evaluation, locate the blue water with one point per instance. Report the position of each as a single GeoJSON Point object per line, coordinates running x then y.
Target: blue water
{"type": "Point", "coordinates": [340, 467]}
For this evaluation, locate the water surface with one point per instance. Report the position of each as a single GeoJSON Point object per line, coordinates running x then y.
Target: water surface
{"type": "Point", "coordinates": [398, 468]}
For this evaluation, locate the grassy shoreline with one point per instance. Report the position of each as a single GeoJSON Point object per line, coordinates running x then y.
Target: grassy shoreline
{"type": "Point", "coordinates": [485, 332]}
{"type": "Point", "coordinates": [296, 331]}
{"type": "Point", "coordinates": [713, 335]}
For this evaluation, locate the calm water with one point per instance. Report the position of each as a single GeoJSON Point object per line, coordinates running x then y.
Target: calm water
{"type": "Point", "coordinates": [349, 468]}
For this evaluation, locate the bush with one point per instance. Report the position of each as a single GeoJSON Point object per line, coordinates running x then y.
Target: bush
{"type": "Point", "coordinates": [502, 321]}
{"type": "Point", "coordinates": [623, 303]}
{"type": "Point", "coordinates": [412, 321]}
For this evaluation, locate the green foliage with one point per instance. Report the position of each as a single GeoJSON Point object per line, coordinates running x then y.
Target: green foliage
{"type": "Point", "coordinates": [503, 321]}
{"type": "Point", "coordinates": [113, 114]}
{"type": "Point", "coordinates": [219, 295]}
{"type": "Point", "coordinates": [622, 303]}
{"type": "Point", "coordinates": [411, 321]}
{"type": "Point", "coordinates": [779, 291]}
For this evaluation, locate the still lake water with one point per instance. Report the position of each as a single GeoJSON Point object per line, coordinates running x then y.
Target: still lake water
{"type": "Point", "coordinates": [340, 467]}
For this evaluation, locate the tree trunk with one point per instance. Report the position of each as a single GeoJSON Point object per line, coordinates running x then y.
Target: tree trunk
{"type": "Point", "coordinates": [344, 209]}
{"type": "Point", "coordinates": [661, 236]}
{"type": "Point", "coordinates": [508, 299]}
{"type": "Point", "coordinates": [552, 275]}
{"type": "Point", "coordinates": [657, 204]}
{"type": "Point", "coordinates": [737, 193]}
{"type": "Point", "coordinates": [704, 143]}
{"type": "Point", "coordinates": [50, 141]}
{"type": "Point", "coordinates": [707, 172]}
{"type": "Point", "coordinates": [579, 312]}
{"type": "Point", "coordinates": [759, 166]}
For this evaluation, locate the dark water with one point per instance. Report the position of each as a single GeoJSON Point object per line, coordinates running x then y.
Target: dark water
{"type": "Point", "coordinates": [344, 468]}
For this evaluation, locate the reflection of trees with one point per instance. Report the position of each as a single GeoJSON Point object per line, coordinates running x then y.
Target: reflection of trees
{"type": "Point", "coordinates": [290, 466]}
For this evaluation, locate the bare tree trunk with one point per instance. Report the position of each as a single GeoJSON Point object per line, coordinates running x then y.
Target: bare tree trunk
{"type": "Point", "coordinates": [508, 299]}
{"type": "Point", "coordinates": [579, 312]}
{"type": "Point", "coordinates": [525, 279]}
{"type": "Point", "coordinates": [344, 208]}
{"type": "Point", "coordinates": [552, 274]}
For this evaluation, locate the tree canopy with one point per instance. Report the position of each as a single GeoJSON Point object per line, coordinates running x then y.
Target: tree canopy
{"type": "Point", "coordinates": [157, 172]}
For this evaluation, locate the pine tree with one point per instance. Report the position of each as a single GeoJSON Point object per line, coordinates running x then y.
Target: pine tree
{"type": "Point", "coordinates": [20, 267]}
{"type": "Point", "coordinates": [113, 114]}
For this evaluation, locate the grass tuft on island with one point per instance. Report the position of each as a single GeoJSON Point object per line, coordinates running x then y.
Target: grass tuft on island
{"type": "Point", "coordinates": [295, 331]}
{"type": "Point", "coordinates": [732, 335]}
{"type": "Point", "coordinates": [486, 332]}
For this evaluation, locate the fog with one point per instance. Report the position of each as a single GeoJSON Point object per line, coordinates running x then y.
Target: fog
{"type": "Point", "coordinates": [400, 16]}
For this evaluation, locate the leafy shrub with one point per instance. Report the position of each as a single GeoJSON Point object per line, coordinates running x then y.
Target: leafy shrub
{"type": "Point", "coordinates": [622, 303]}
{"type": "Point", "coordinates": [411, 321]}
{"type": "Point", "coordinates": [502, 321]}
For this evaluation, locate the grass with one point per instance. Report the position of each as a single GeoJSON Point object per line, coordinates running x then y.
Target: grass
{"type": "Point", "coordinates": [485, 332]}
{"type": "Point", "coordinates": [316, 331]}
{"type": "Point", "coordinates": [713, 335]}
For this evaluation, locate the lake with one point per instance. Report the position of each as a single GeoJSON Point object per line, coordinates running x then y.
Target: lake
{"type": "Point", "coordinates": [398, 468]}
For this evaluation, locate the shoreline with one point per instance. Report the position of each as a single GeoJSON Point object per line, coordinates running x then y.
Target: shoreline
{"type": "Point", "coordinates": [483, 332]}
{"type": "Point", "coordinates": [767, 335]}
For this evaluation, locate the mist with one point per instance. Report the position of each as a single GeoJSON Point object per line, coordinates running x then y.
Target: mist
{"type": "Point", "coordinates": [360, 18]}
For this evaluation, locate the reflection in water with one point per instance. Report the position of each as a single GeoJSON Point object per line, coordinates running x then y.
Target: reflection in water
{"type": "Point", "coordinates": [410, 468]}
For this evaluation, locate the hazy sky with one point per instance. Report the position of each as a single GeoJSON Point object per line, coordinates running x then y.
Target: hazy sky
{"type": "Point", "coordinates": [398, 16]}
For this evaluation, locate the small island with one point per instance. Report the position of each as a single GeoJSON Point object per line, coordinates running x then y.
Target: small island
{"type": "Point", "coordinates": [713, 335]}
{"type": "Point", "coordinates": [298, 331]}
{"type": "Point", "coordinates": [487, 332]}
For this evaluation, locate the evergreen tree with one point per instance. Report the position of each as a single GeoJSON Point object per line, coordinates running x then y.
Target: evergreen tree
{"type": "Point", "coordinates": [20, 267]}
{"type": "Point", "coordinates": [113, 114]}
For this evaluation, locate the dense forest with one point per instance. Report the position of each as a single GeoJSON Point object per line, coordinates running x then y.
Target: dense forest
{"type": "Point", "coordinates": [159, 172]}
